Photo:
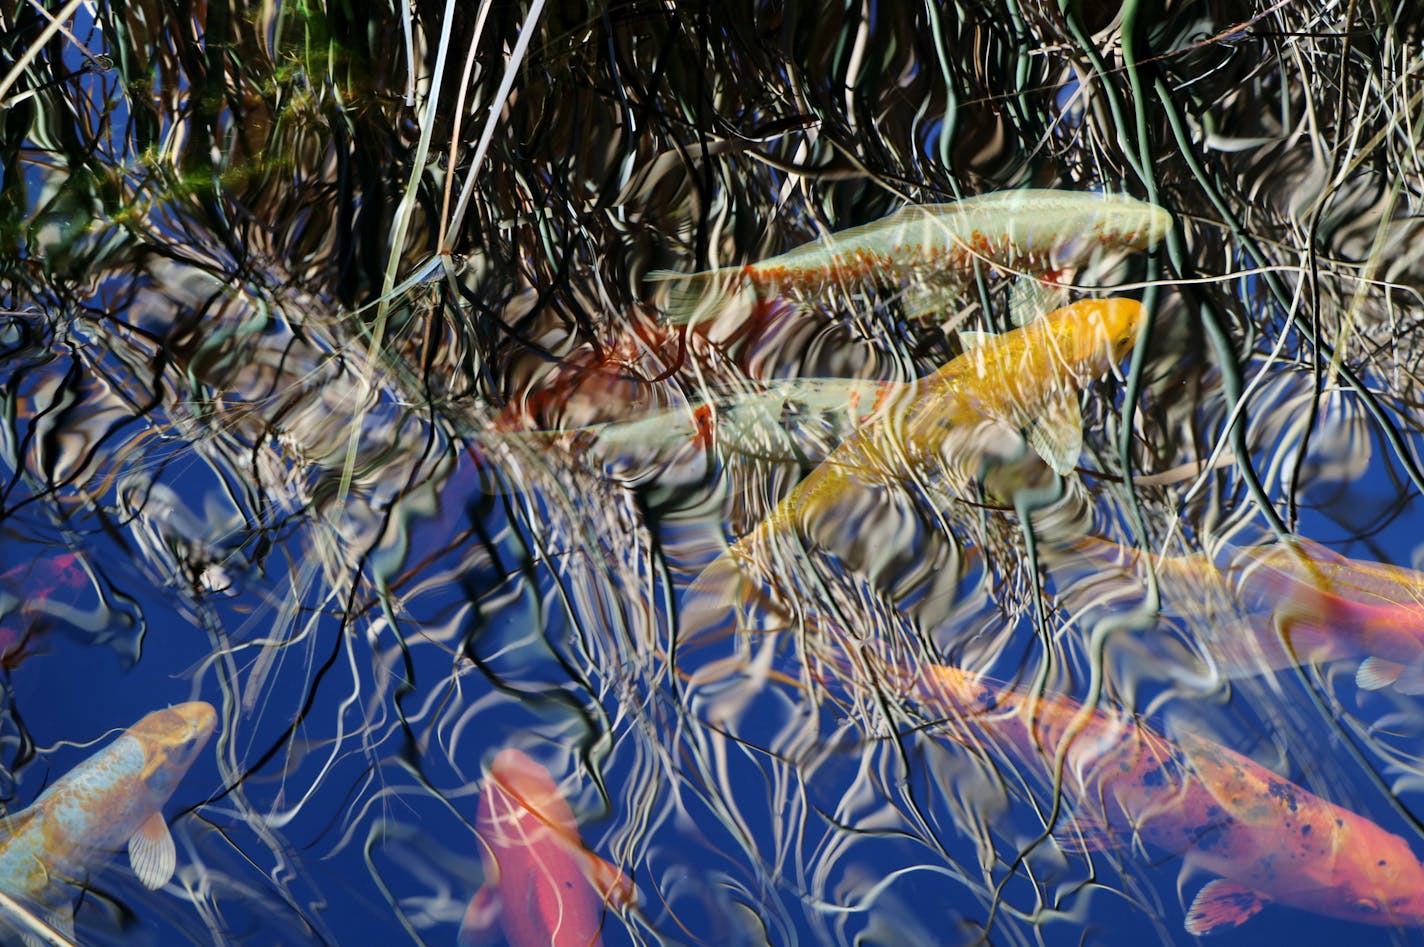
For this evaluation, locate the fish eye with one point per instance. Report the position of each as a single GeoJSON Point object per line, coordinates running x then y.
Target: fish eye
{"type": "Point", "coordinates": [1366, 906]}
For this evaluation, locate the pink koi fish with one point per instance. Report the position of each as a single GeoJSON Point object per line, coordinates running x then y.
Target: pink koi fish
{"type": "Point", "coordinates": [1266, 838]}
{"type": "Point", "coordinates": [542, 887]}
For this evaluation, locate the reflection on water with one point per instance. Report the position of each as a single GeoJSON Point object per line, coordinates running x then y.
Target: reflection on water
{"type": "Point", "coordinates": [349, 389]}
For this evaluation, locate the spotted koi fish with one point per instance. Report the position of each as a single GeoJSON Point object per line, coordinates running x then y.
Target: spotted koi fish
{"type": "Point", "coordinates": [1026, 380]}
{"type": "Point", "coordinates": [1282, 605]}
{"type": "Point", "coordinates": [1038, 232]}
{"type": "Point", "coordinates": [113, 799]}
{"type": "Point", "coordinates": [1266, 838]}
{"type": "Point", "coordinates": [542, 887]}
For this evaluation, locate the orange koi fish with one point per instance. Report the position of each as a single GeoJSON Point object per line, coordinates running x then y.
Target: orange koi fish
{"type": "Point", "coordinates": [542, 887]}
{"type": "Point", "coordinates": [1027, 380]}
{"type": "Point", "coordinates": [1037, 231]}
{"type": "Point", "coordinates": [1286, 604]}
{"type": "Point", "coordinates": [1266, 838]}
{"type": "Point", "coordinates": [113, 799]}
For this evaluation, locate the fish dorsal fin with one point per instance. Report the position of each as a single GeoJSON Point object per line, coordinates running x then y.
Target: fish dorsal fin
{"type": "Point", "coordinates": [1203, 757]}
{"type": "Point", "coordinates": [481, 922]}
{"type": "Point", "coordinates": [1056, 432]}
{"type": "Point", "coordinates": [1376, 673]}
{"type": "Point", "coordinates": [612, 885]}
{"type": "Point", "coordinates": [971, 339]}
{"type": "Point", "coordinates": [1221, 903]}
{"type": "Point", "coordinates": [152, 852]}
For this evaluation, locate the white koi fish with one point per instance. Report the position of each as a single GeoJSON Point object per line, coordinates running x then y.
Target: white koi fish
{"type": "Point", "coordinates": [111, 800]}
{"type": "Point", "coordinates": [1031, 231]}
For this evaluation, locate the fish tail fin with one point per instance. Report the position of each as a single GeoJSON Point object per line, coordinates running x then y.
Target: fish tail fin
{"type": "Point", "coordinates": [699, 297]}
{"type": "Point", "coordinates": [481, 921]}
{"type": "Point", "coordinates": [612, 883]}
{"type": "Point", "coordinates": [722, 598]}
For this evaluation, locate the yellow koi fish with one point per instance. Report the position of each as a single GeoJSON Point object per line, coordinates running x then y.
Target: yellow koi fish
{"type": "Point", "coordinates": [111, 800]}
{"type": "Point", "coordinates": [1032, 231]}
{"type": "Point", "coordinates": [1026, 380]}
{"type": "Point", "coordinates": [1266, 838]}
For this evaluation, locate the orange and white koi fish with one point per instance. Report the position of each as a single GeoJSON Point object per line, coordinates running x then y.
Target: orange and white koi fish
{"type": "Point", "coordinates": [1026, 380]}
{"type": "Point", "coordinates": [542, 887]}
{"type": "Point", "coordinates": [114, 798]}
{"type": "Point", "coordinates": [795, 420]}
{"type": "Point", "coordinates": [1033, 231]}
{"type": "Point", "coordinates": [1266, 838]}
{"type": "Point", "coordinates": [1282, 605]}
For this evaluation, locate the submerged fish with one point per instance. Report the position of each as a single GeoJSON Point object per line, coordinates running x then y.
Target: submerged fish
{"type": "Point", "coordinates": [1035, 231]}
{"type": "Point", "coordinates": [788, 421]}
{"type": "Point", "coordinates": [542, 887]}
{"type": "Point", "coordinates": [1266, 838]}
{"type": "Point", "coordinates": [32, 597]}
{"type": "Point", "coordinates": [1269, 607]}
{"type": "Point", "coordinates": [114, 798]}
{"type": "Point", "coordinates": [1026, 380]}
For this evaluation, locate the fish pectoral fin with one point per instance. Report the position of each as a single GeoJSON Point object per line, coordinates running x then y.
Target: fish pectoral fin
{"type": "Point", "coordinates": [59, 920]}
{"type": "Point", "coordinates": [152, 852]}
{"type": "Point", "coordinates": [1376, 674]}
{"type": "Point", "coordinates": [481, 923]}
{"type": "Point", "coordinates": [1056, 433]}
{"type": "Point", "coordinates": [1081, 833]}
{"type": "Point", "coordinates": [1031, 298]}
{"type": "Point", "coordinates": [615, 887]}
{"type": "Point", "coordinates": [1222, 903]}
{"type": "Point", "coordinates": [971, 339]}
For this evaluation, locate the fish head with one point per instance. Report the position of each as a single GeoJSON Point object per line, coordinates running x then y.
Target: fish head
{"type": "Point", "coordinates": [1384, 885]}
{"type": "Point", "coordinates": [1115, 323]}
{"type": "Point", "coordinates": [1133, 223]}
{"type": "Point", "coordinates": [520, 796]}
{"type": "Point", "coordinates": [172, 739]}
{"type": "Point", "coordinates": [1087, 338]}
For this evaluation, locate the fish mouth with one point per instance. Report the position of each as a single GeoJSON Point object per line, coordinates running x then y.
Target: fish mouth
{"type": "Point", "coordinates": [199, 716]}
{"type": "Point", "coordinates": [173, 737]}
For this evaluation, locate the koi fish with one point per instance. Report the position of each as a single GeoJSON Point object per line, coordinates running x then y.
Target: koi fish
{"type": "Point", "coordinates": [1036, 231]}
{"type": "Point", "coordinates": [1281, 605]}
{"type": "Point", "coordinates": [1266, 838]}
{"type": "Point", "coordinates": [542, 887]}
{"type": "Point", "coordinates": [30, 597]}
{"type": "Point", "coordinates": [790, 421]}
{"type": "Point", "coordinates": [114, 798]}
{"type": "Point", "coordinates": [1027, 379]}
